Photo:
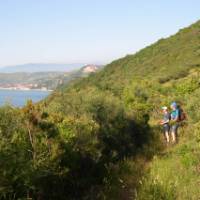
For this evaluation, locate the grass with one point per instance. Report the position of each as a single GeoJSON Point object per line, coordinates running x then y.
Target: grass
{"type": "Point", "coordinates": [175, 174]}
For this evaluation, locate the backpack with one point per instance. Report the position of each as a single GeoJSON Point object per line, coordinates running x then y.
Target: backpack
{"type": "Point", "coordinates": [182, 115]}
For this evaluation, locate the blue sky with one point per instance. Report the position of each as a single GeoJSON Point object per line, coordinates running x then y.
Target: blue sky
{"type": "Point", "coordinates": [86, 31]}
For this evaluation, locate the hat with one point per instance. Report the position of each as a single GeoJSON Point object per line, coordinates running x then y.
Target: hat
{"type": "Point", "coordinates": [164, 108]}
{"type": "Point", "coordinates": [174, 104]}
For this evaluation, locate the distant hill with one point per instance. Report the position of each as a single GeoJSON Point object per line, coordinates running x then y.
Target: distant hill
{"type": "Point", "coordinates": [80, 73]}
{"type": "Point", "coordinates": [41, 67]}
{"type": "Point", "coordinates": [49, 80]}
{"type": "Point", "coordinates": [91, 68]}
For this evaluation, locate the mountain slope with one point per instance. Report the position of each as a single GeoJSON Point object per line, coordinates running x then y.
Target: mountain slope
{"type": "Point", "coordinates": [157, 75]}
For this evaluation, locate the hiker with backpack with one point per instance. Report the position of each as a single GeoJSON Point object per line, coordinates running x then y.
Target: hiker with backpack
{"type": "Point", "coordinates": [177, 116]}
{"type": "Point", "coordinates": [165, 123]}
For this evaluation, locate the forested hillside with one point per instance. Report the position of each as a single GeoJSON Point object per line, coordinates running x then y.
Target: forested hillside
{"type": "Point", "coordinates": [98, 138]}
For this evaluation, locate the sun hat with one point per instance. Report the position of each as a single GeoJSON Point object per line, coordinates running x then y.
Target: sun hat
{"type": "Point", "coordinates": [164, 108]}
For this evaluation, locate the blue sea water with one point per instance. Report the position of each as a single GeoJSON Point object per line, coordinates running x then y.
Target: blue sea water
{"type": "Point", "coordinates": [19, 98]}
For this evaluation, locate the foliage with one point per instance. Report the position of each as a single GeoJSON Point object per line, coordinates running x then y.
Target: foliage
{"type": "Point", "coordinates": [87, 139]}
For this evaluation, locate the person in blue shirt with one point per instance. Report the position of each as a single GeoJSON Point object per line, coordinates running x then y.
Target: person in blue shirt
{"type": "Point", "coordinates": [165, 123]}
{"type": "Point", "coordinates": [175, 114]}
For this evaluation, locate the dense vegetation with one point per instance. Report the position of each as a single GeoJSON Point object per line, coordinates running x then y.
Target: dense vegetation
{"type": "Point", "coordinates": [94, 138]}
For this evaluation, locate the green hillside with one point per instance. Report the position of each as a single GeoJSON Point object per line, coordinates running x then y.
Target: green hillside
{"type": "Point", "coordinates": [167, 59]}
{"type": "Point", "coordinates": [98, 138]}
{"type": "Point", "coordinates": [163, 72]}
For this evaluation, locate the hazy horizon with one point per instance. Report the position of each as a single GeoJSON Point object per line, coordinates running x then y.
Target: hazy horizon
{"type": "Point", "coordinates": [44, 63]}
{"type": "Point", "coordinates": [42, 67]}
{"type": "Point", "coordinates": [82, 64]}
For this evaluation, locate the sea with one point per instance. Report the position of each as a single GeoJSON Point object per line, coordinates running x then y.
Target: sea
{"type": "Point", "coordinates": [18, 98]}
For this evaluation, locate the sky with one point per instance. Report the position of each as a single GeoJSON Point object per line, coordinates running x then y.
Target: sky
{"type": "Point", "coordinates": [86, 31]}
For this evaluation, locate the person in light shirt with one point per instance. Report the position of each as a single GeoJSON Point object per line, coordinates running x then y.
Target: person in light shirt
{"type": "Point", "coordinates": [165, 123]}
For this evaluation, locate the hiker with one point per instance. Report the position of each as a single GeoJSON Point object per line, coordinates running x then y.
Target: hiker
{"type": "Point", "coordinates": [165, 122]}
{"type": "Point", "coordinates": [175, 118]}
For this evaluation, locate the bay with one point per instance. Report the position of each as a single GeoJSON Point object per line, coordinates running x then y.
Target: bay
{"type": "Point", "coordinates": [18, 98]}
